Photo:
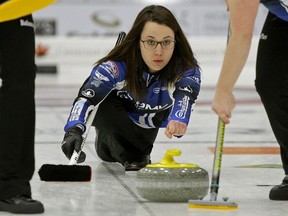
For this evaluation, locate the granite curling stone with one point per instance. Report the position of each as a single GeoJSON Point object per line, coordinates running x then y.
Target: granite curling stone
{"type": "Point", "coordinates": [168, 181]}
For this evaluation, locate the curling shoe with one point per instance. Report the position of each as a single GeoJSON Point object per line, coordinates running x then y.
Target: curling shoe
{"type": "Point", "coordinates": [137, 165]}
{"type": "Point", "coordinates": [21, 205]}
{"type": "Point", "coordinates": [280, 192]}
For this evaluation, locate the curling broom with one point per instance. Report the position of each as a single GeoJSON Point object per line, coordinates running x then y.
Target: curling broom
{"type": "Point", "coordinates": [213, 203]}
{"type": "Point", "coordinates": [14, 9]}
{"type": "Point", "coordinates": [73, 172]}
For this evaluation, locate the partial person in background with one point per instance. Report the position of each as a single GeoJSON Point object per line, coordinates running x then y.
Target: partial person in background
{"type": "Point", "coordinates": [17, 116]}
{"type": "Point", "coordinates": [271, 70]}
{"type": "Point", "coordinates": [150, 80]}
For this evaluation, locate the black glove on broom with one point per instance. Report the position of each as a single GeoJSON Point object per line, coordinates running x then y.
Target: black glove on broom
{"type": "Point", "coordinates": [72, 141]}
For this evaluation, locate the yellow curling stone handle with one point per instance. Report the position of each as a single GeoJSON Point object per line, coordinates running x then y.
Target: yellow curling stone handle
{"type": "Point", "coordinates": [169, 162]}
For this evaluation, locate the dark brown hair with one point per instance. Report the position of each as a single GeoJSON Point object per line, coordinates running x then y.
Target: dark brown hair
{"type": "Point", "coordinates": [128, 51]}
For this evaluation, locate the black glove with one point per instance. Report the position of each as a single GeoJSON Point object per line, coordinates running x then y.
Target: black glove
{"type": "Point", "coordinates": [72, 141]}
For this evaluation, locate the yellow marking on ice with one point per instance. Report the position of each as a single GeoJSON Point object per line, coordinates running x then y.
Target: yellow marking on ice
{"type": "Point", "coordinates": [219, 207]}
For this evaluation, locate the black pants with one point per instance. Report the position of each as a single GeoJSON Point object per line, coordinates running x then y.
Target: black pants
{"type": "Point", "coordinates": [17, 107]}
{"type": "Point", "coordinates": [272, 79]}
{"type": "Point", "coordinates": [118, 138]}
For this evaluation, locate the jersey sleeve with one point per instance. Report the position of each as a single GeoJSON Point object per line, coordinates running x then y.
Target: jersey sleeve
{"type": "Point", "coordinates": [186, 91]}
{"type": "Point", "coordinates": [102, 80]}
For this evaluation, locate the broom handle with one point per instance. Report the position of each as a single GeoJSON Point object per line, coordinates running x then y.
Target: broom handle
{"type": "Point", "coordinates": [218, 150]}
{"type": "Point", "coordinates": [217, 160]}
{"type": "Point", "coordinates": [75, 155]}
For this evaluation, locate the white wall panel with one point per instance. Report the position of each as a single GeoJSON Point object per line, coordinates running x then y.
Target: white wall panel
{"type": "Point", "coordinates": [104, 17]}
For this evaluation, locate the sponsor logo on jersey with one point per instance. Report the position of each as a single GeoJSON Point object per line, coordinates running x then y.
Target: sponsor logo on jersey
{"type": "Point", "coordinates": [186, 88]}
{"type": "Point", "coordinates": [145, 106]}
{"type": "Point", "coordinates": [75, 113]}
{"type": "Point", "coordinates": [196, 79]}
{"type": "Point", "coordinates": [263, 36]}
{"type": "Point", "coordinates": [26, 23]}
{"type": "Point", "coordinates": [98, 78]}
{"type": "Point", "coordinates": [184, 103]}
{"type": "Point", "coordinates": [124, 95]}
{"type": "Point", "coordinates": [96, 83]}
{"type": "Point", "coordinates": [111, 68]}
{"type": "Point", "coordinates": [88, 93]}
{"type": "Point", "coordinates": [158, 89]}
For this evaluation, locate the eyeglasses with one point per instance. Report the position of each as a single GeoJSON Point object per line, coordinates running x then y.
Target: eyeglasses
{"type": "Point", "coordinates": [151, 44]}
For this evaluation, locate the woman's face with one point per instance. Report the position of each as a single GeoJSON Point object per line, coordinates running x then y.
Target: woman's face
{"type": "Point", "coordinates": [156, 55]}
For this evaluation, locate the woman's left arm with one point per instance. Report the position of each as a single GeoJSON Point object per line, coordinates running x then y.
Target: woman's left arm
{"type": "Point", "coordinates": [185, 94]}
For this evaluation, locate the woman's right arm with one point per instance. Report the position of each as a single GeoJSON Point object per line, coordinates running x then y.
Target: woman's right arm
{"type": "Point", "coordinates": [102, 80]}
{"type": "Point", "coordinates": [242, 15]}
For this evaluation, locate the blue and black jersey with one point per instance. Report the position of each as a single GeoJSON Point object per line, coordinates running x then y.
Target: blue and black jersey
{"type": "Point", "coordinates": [110, 76]}
{"type": "Point", "coordinates": [277, 7]}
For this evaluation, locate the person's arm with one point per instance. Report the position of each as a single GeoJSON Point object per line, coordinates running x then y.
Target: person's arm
{"type": "Point", "coordinates": [242, 15]}
{"type": "Point", "coordinates": [102, 80]}
{"type": "Point", "coordinates": [186, 92]}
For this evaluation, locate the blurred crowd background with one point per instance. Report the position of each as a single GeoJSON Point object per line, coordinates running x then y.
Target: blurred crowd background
{"type": "Point", "coordinates": [79, 32]}
{"type": "Point", "coordinates": [108, 17]}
